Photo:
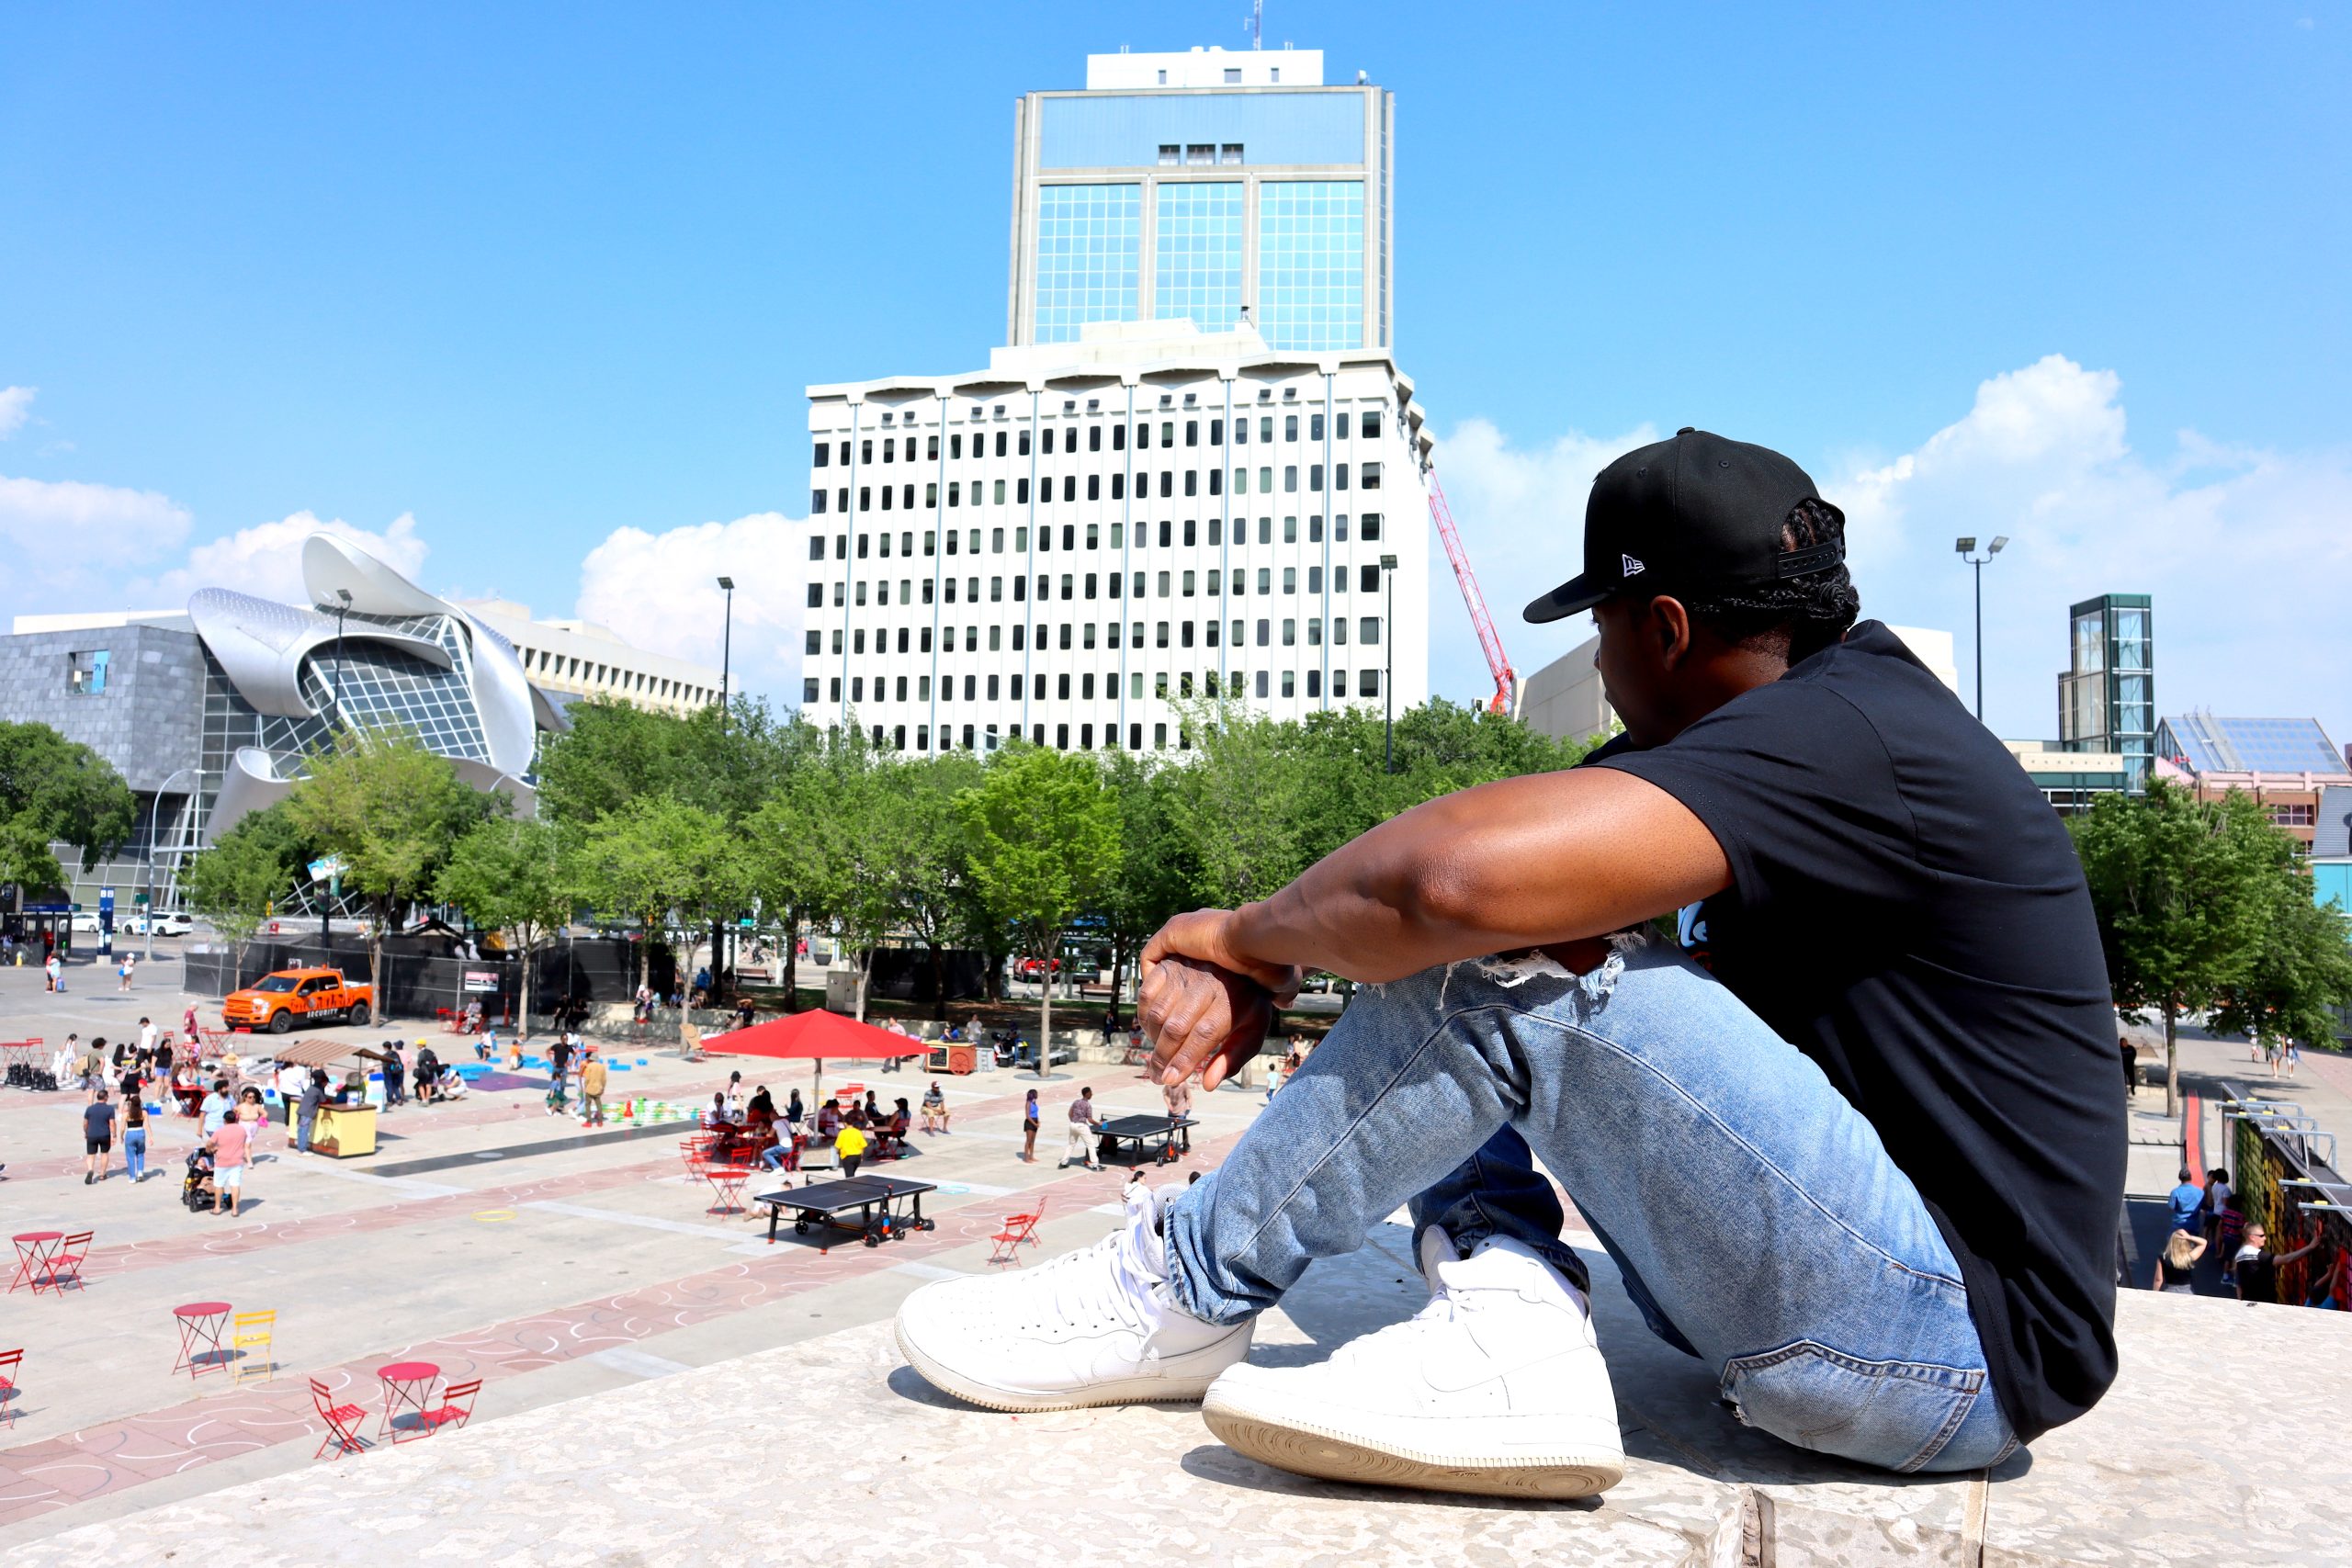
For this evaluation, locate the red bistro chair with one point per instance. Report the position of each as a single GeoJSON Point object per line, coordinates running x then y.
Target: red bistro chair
{"type": "Point", "coordinates": [457, 1406]}
{"type": "Point", "coordinates": [65, 1263]}
{"type": "Point", "coordinates": [343, 1421]}
{"type": "Point", "coordinates": [1018, 1228]}
{"type": "Point", "coordinates": [9, 1386]}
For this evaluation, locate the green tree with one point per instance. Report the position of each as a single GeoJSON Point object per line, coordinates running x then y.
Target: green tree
{"type": "Point", "coordinates": [1156, 867]}
{"type": "Point", "coordinates": [1043, 831]}
{"type": "Point", "coordinates": [932, 879]}
{"type": "Point", "coordinates": [237, 882]}
{"type": "Point", "coordinates": [2301, 967]}
{"type": "Point", "coordinates": [2180, 888]}
{"type": "Point", "coordinates": [390, 810]}
{"type": "Point", "coordinates": [54, 790]}
{"type": "Point", "coordinates": [655, 858]}
{"type": "Point", "coordinates": [511, 874]}
{"type": "Point", "coordinates": [831, 833]}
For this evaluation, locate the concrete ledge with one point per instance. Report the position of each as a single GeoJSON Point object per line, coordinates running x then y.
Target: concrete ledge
{"type": "Point", "coordinates": [2216, 1447]}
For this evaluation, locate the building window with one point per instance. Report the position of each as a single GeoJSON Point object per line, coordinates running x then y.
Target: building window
{"type": "Point", "coordinates": [1368, 629]}
{"type": "Point", "coordinates": [1315, 682]}
{"type": "Point", "coordinates": [86, 672]}
{"type": "Point", "coordinates": [808, 684]}
{"type": "Point", "coordinates": [1368, 527]}
{"type": "Point", "coordinates": [1290, 683]}
{"type": "Point", "coordinates": [816, 595]}
{"type": "Point", "coordinates": [816, 503]}
{"type": "Point", "coordinates": [1370, 478]}
{"type": "Point", "coordinates": [1089, 237]}
{"type": "Point", "coordinates": [1230, 153]}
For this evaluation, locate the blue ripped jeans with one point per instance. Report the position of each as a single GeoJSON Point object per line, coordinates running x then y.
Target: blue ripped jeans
{"type": "Point", "coordinates": [1755, 1215]}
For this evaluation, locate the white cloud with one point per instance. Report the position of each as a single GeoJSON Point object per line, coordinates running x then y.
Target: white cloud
{"type": "Point", "coordinates": [16, 406]}
{"type": "Point", "coordinates": [659, 591]}
{"type": "Point", "coordinates": [266, 559]}
{"type": "Point", "coordinates": [70, 545]}
{"type": "Point", "coordinates": [1521, 513]}
{"type": "Point", "coordinates": [2244, 549]}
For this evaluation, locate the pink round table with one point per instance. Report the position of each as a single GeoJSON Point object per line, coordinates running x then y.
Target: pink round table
{"type": "Point", "coordinates": [33, 1249]}
{"type": "Point", "coordinates": [200, 1325]}
{"type": "Point", "coordinates": [408, 1386]}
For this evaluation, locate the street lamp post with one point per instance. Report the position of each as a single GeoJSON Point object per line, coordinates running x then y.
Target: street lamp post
{"type": "Point", "coordinates": [154, 819]}
{"type": "Point", "coordinates": [1388, 677]}
{"type": "Point", "coordinates": [1966, 546]}
{"type": "Point", "coordinates": [726, 647]}
{"type": "Point", "coordinates": [342, 608]}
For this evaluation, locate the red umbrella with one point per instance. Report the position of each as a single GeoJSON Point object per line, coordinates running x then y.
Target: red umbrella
{"type": "Point", "coordinates": [813, 1037]}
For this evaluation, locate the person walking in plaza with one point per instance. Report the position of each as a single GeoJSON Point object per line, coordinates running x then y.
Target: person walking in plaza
{"type": "Point", "coordinates": [123, 970]}
{"type": "Point", "coordinates": [1079, 1144]}
{"type": "Point", "coordinates": [53, 968]}
{"type": "Point", "coordinates": [231, 1155]}
{"type": "Point", "coordinates": [1858, 1111]}
{"type": "Point", "coordinates": [216, 1107]}
{"type": "Point", "coordinates": [306, 1109]}
{"type": "Point", "coordinates": [134, 1139]}
{"type": "Point", "coordinates": [147, 1036]}
{"type": "Point", "coordinates": [395, 1076]}
{"type": "Point", "coordinates": [592, 1090]}
{"type": "Point", "coordinates": [559, 1064]}
{"type": "Point", "coordinates": [2130, 1067]}
{"type": "Point", "coordinates": [2217, 1203]}
{"type": "Point", "coordinates": [2186, 1202]}
{"type": "Point", "coordinates": [1030, 1116]}
{"type": "Point", "coordinates": [253, 1115]}
{"type": "Point", "coordinates": [97, 1137]}
{"type": "Point", "coordinates": [2177, 1264]}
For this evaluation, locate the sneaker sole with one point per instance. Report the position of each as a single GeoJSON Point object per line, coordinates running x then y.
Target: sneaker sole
{"type": "Point", "coordinates": [1135, 1391]}
{"type": "Point", "coordinates": [1305, 1449]}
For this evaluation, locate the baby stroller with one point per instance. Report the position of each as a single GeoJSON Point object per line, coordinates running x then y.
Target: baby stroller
{"type": "Point", "coordinates": [196, 1190]}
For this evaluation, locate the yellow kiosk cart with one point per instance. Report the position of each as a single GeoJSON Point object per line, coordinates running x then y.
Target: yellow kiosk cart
{"type": "Point", "coordinates": [345, 1128]}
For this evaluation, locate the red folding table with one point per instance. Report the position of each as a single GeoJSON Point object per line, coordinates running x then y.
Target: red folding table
{"type": "Point", "coordinates": [34, 1249]}
{"type": "Point", "coordinates": [408, 1388]}
{"type": "Point", "coordinates": [200, 1325]}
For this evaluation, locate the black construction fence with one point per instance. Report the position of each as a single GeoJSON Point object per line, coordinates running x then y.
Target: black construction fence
{"type": "Point", "coordinates": [421, 980]}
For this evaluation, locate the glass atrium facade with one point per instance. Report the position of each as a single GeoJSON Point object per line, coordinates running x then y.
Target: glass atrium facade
{"type": "Point", "coordinates": [2107, 698]}
{"type": "Point", "coordinates": [1196, 254]}
{"type": "Point", "coordinates": [1088, 257]}
{"type": "Point", "coordinates": [1310, 264]}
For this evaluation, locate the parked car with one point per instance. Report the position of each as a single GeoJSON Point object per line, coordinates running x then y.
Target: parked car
{"type": "Point", "coordinates": [170, 923]}
{"type": "Point", "coordinates": [279, 1001]}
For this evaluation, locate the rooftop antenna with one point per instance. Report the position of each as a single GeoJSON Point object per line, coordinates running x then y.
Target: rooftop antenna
{"type": "Point", "coordinates": [1254, 24]}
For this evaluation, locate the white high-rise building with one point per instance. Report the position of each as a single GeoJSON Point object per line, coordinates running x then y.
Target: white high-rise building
{"type": "Point", "coordinates": [1143, 500]}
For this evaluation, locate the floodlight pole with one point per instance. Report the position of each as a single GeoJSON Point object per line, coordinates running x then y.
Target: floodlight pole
{"type": "Point", "coordinates": [1966, 546]}
{"type": "Point", "coordinates": [1388, 678]}
{"type": "Point", "coordinates": [726, 654]}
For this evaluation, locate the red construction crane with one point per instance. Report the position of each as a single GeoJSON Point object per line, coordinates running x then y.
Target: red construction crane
{"type": "Point", "coordinates": [1506, 697]}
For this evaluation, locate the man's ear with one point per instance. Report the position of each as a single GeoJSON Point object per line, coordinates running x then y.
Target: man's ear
{"type": "Point", "coordinates": [1669, 630]}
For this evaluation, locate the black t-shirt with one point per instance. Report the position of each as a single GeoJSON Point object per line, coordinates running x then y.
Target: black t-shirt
{"type": "Point", "coordinates": [1907, 909]}
{"type": "Point", "coordinates": [2257, 1276]}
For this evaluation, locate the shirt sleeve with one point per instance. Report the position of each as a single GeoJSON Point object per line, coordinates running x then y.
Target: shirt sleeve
{"type": "Point", "coordinates": [1798, 791]}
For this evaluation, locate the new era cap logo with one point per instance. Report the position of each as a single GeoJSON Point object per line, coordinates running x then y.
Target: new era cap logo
{"type": "Point", "coordinates": [1632, 567]}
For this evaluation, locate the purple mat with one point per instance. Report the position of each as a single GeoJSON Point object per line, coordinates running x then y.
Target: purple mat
{"type": "Point", "coordinates": [509, 1081]}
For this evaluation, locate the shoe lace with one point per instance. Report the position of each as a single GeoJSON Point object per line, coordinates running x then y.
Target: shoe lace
{"type": "Point", "coordinates": [1107, 1283]}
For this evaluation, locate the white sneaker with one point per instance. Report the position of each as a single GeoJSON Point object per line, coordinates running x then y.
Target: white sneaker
{"type": "Point", "coordinates": [1497, 1387]}
{"type": "Point", "coordinates": [1093, 1328]}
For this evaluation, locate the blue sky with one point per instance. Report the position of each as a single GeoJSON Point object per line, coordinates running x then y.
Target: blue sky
{"type": "Point", "coordinates": [531, 294]}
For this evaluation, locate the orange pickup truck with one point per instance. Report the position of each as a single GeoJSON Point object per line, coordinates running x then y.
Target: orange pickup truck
{"type": "Point", "coordinates": [279, 1001]}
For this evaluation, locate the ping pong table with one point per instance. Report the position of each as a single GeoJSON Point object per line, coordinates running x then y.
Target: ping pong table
{"type": "Point", "coordinates": [863, 1204]}
{"type": "Point", "coordinates": [1141, 1130]}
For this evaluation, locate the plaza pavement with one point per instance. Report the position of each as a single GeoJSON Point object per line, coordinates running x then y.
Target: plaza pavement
{"type": "Point", "coordinates": [662, 1387]}
{"type": "Point", "coordinates": [552, 1263]}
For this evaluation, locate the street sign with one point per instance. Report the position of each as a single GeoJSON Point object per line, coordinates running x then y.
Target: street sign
{"type": "Point", "coordinates": [326, 869]}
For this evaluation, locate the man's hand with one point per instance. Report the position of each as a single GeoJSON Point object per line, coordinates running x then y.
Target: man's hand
{"type": "Point", "coordinates": [1200, 1019]}
{"type": "Point", "coordinates": [1207, 935]}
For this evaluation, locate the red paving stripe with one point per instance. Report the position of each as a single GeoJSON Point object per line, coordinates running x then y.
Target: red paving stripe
{"type": "Point", "coordinates": [113, 1456]}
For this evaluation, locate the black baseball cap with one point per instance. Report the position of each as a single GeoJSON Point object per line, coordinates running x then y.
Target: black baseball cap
{"type": "Point", "coordinates": [1694, 511]}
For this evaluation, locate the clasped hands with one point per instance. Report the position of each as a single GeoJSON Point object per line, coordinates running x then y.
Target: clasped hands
{"type": "Point", "coordinates": [1205, 1006]}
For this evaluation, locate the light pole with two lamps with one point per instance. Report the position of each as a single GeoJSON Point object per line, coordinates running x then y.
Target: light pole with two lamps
{"type": "Point", "coordinates": [154, 819]}
{"type": "Point", "coordinates": [1388, 677]}
{"type": "Point", "coordinates": [1966, 546]}
{"type": "Point", "coordinates": [726, 648]}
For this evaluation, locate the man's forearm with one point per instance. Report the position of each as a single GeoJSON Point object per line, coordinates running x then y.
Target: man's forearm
{"type": "Point", "coordinates": [1523, 863]}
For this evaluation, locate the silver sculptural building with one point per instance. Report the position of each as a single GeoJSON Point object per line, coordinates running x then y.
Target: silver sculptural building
{"type": "Point", "coordinates": [209, 713]}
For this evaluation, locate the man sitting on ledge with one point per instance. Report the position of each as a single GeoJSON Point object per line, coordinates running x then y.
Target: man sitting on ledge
{"type": "Point", "coordinates": [1853, 1140]}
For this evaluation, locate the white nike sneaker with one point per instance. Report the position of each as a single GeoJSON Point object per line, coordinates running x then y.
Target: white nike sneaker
{"type": "Point", "coordinates": [1098, 1326]}
{"type": "Point", "coordinates": [1496, 1387]}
